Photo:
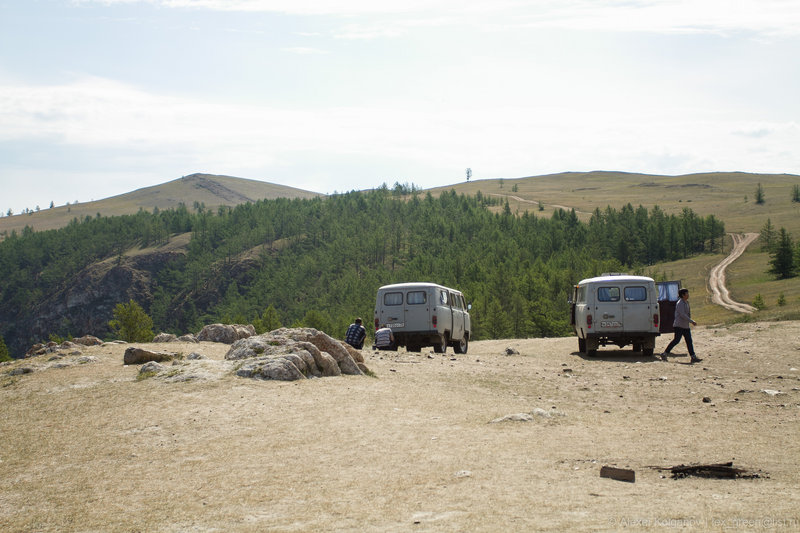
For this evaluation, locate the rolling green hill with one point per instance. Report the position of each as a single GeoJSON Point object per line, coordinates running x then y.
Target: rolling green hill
{"type": "Point", "coordinates": [211, 190]}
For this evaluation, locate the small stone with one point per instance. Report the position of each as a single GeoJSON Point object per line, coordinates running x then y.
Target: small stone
{"type": "Point", "coordinates": [706, 399]}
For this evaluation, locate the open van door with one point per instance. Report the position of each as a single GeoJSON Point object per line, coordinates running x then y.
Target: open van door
{"type": "Point", "coordinates": [667, 299]}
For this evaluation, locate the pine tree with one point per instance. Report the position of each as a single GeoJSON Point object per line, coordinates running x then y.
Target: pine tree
{"type": "Point", "coordinates": [131, 323]}
{"type": "Point", "coordinates": [767, 237]}
{"type": "Point", "coordinates": [268, 321]}
{"type": "Point", "coordinates": [796, 193]}
{"type": "Point", "coordinates": [759, 194]}
{"type": "Point", "coordinates": [4, 355]}
{"type": "Point", "coordinates": [783, 263]}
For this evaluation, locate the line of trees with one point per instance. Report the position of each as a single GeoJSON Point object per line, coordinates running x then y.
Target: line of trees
{"type": "Point", "coordinates": [319, 261]}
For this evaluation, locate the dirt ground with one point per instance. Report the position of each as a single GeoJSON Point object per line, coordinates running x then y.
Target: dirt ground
{"type": "Point", "coordinates": [84, 446]}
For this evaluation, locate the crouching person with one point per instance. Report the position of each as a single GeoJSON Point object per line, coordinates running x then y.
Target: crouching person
{"type": "Point", "coordinates": [355, 335]}
{"type": "Point", "coordinates": [384, 339]}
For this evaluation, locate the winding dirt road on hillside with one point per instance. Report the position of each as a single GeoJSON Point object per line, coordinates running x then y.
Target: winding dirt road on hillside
{"type": "Point", "coordinates": [716, 278]}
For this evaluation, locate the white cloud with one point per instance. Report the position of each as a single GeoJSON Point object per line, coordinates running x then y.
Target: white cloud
{"type": "Point", "coordinates": [769, 17]}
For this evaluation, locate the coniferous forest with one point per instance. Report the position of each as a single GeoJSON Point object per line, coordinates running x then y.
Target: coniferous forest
{"type": "Point", "coordinates": [319, 262]}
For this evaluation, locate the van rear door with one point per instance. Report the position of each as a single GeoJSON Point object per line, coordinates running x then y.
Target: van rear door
{"type": "Point", "coordinates": [391, 309]}
{"type": "Point", "coordinates": [667, 300]}
{"type": "Point", "coordinates": [417, 309]}
{"type": "Point", "coordinates": [608, 305]}
{"type": "Point", "coordinates": [636, 303]}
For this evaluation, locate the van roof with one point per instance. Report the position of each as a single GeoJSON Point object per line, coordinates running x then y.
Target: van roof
{"type": "Point", "coordinates": [421, 284]}
{"type": "Point", "coordinates": [616, 279]}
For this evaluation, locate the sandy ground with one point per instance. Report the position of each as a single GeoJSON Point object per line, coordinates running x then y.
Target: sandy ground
{"type": "Point", "coordinates": [87, 447]}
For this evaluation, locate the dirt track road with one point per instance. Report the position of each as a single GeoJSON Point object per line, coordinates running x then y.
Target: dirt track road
{"type": "Point", "coordinates": [716, 278]}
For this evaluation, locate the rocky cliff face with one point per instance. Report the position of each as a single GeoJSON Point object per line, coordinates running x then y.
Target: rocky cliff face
{"type": "Point", "coordinates": [84, 304]}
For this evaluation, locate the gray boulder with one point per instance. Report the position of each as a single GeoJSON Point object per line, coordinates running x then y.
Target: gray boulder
{"type": "Point", "coordinates": [165, 337]}
{"type": "Point", "coordinates": [138, 356]}
{"type": "Point", "coordinates": [225, 333]}
{"type": "Point", "coordinates": [310, 353]}
{"type": "Point", "coordinates": [325, 343]}
{"type": "Point", "coordinates": [278, 368]}
{"type": "Point", "coordinates": [190, 338]}
{"type": "Point", "coordinates": [88, 340]}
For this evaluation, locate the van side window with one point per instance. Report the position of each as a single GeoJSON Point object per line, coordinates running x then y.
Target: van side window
{"type": "Point", "coordinates": [608, 294]}
{"type": "Point", "coordinates": [581, 295]}
{"type": "Point", "coordinates": [416, 297]}
{"type": "Point", "coordinates": [443, 297]}
{"type": "Point", "coordinates": [393, 298]}
{"type": "Point", "coordinates": [635, 294]}
{"type": "Point", "coordinates": [455, 301]}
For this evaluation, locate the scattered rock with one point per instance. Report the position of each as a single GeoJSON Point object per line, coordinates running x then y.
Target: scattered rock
{"type": "Point", "coordinates": [138, 356]}
{"type": "Point", "coordinates": [191, 338]}
{"type": "Point", "coordinates": [151, 367]}
{"type": "Point", "coordinates": [706, 399]}
{"type": "Point", "coordinates": [20, 370]}
{"type": "Point", "coordinates": [527, 417]}
{"type": "Point", "coordinates": [165, 337]}
{"type": "Point", "coordinates": [771, 392]}
{"type": "Point", "coordinates": [225, 333]}
{"type": "Point", "coordinates": [88, 340]}
{"type": "Point", "coordinates": [511, 351]}
{"type": "Point", "coordinates": [463, 473]}
{"type": "Point", "coordinates": [194, 356]}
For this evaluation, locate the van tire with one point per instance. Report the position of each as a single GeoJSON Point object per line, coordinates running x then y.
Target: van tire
{"type": "Point", "coordinates": [413, 348]}
{"type": "Point", "coordinates": [440, 346]}
{"type": "Point", "coordinates": [462, 345]}
{"type": "Point", "coordinates": [647, 352]}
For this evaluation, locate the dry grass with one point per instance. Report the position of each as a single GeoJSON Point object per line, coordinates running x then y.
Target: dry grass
{"type": "Point", "coordinates": [88, 448]}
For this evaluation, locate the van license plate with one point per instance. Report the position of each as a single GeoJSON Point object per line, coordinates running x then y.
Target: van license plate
{"type": "Point", "coordinates": [396, 325]}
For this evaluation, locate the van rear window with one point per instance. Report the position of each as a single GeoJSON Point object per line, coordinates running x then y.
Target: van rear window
{"type": "Point", "coordinates": [635, 294]}
{"type": "Point", "coordinates": [393, 298]}
{"type": "Point", "coordinates": [608, 294]}
{"type": "Point", "coordinates": [416, 297]}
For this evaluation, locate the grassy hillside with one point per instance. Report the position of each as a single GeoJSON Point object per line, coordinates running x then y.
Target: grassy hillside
{"type": "Point", "coordinates": [211, 190]}
{"type": "Point", "coordinates": [729, 196]}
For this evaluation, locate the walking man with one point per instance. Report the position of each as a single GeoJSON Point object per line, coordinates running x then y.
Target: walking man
{"type": "Point", "coordinates": [682, 324]}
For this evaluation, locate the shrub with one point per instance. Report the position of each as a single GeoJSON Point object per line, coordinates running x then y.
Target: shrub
{"type": "Point", "coordinates": [758, 302]}
{"type": "Point", "coordinates": [131, 323]}
{"type": "Point", "coordinates": [4, 355]}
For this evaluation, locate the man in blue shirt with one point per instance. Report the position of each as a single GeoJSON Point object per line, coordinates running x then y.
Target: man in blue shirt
{"type": "Point", "coordinates": [355, 335]}
{"type": "Point", "coordinates": [683, 319]}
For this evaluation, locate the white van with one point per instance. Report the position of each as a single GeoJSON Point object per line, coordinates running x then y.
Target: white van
{"type": "Point", "coordinates": [424, 314]}
{"type": "Point", "coordinates": [616, 309]}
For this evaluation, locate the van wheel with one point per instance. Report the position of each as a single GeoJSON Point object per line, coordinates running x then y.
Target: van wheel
{"type": "Point", "coordinates": [413, 348]}
{"type": "Point", "coordinates": [591, 347]}
{"type": "Point", "coordinates": [441, 345]}
{"type": "Point", "coordinates": [647, 352]}
{"type": "Point", "coordinates": [461, 346]}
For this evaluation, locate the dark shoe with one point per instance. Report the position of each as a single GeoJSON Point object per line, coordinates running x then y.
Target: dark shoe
{"type": "Point", "coordinates": [695, 360]}
{"type": "Point", "coordinates": [664, 356]}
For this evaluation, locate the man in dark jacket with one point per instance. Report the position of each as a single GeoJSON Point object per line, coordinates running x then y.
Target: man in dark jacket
{"type": "Point", "coordinates": [682, 324]}
{"type": "Point", "coordinates": [355, 335]}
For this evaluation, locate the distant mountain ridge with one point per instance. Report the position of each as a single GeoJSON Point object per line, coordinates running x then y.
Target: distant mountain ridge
{"type": "Point", "coordinates": [209, 189]}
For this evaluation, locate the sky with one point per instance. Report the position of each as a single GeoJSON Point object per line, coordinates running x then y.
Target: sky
{"type": "Point", "coordinates": [102, 97]}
